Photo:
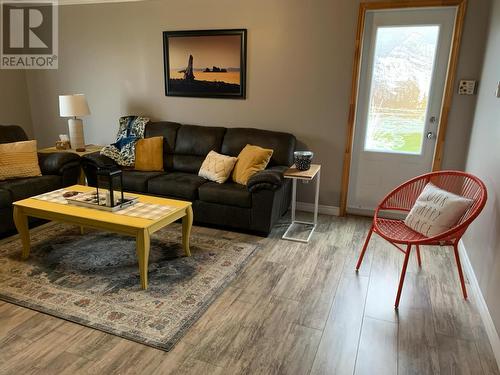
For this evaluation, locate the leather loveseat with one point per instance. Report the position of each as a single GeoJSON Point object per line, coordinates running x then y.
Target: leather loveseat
{"type": "Point", "coordinates": [255, 207]}
{"type": "Point", "coordinates": [58, 170]}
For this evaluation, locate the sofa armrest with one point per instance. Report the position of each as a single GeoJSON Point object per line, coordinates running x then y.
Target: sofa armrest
{"type": "Point", "coordinates": [98, 160]}
{"type": "Point", "coordinates": [92, 162]}
{"type": "Point", "coordinates": [58, 162]}
{"type": "Point", "coordinates": [269, 179]}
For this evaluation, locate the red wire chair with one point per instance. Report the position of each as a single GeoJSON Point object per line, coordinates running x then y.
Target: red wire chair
{"type": "Point", "coordinates": [402, 199]}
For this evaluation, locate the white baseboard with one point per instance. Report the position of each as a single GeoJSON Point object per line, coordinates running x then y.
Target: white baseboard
{"type": "Point", "coordinates": [322, 209]}
{"type": "Point", "coordinates": [482, 306]}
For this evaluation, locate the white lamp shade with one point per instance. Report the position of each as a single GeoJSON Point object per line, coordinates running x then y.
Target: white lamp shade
{"type": "Point", "coordinates": [73, 105]}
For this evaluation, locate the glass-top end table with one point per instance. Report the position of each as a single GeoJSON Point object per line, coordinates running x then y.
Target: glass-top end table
{"type": "Point", "coordinates": [305, 176]}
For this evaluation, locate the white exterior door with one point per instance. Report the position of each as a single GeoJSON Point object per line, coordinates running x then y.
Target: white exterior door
{"type": "Point", "coordinates": [404, 65]}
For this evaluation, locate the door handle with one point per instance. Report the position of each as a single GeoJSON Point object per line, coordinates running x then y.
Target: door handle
{"type": "Point", "coordinates": [430, 135]}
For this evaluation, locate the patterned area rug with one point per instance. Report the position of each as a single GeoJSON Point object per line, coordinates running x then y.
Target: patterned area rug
{"type": "Point", "coordinates": [93, 279]}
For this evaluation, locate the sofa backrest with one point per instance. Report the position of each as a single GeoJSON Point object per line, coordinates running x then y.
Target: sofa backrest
{"type": "Point", "coordinates": [186, 146]}
{"type": "Point", "coordinates": [192, 145]}
{"type": "Point", "coordinates": [12, 133]}
{"type": "Point", "coordinates": [283, 144]}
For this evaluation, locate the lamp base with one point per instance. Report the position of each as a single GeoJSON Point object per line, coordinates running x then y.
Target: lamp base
{"type": "Point", "coordinates": [76, 137]}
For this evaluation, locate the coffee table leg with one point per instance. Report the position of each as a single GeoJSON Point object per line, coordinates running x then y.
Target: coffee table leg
{"type": "Point", "coordinates": [187, 223]}
{"type": "Point", "coordinates": [21, 222]}
{"type": "Point", "coordinates": [142, 244]}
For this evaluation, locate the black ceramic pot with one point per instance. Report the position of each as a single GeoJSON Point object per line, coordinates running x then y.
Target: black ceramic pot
{"type": "Point", "coordinates": [302, 160]}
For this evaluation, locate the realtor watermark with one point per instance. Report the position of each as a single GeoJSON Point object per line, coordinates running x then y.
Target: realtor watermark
{"type": "Point", "coordinates": [29, 34]}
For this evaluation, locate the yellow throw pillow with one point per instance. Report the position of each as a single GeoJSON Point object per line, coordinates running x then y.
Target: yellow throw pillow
{"type": "Point", "coordinates": [217, 167]}
{"type": "Point", "coordinates": [19, 159]}
{"type": "Point", "coordinates": [149, 154]}
{"type": "Point", "coordinates": [252, 159]}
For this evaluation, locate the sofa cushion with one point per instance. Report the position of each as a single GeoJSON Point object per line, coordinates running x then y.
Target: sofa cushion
{"type": "Point", "coordinates": [192, 145]}
{"type": "Point", "coordinates": [188, 163]}
{"type": "Point", "coordinates": [168, 130]}
{"type": "Point", "coordinates": [229, 193]}
{"type": "Point", "coordinates": [176, 185]}
{"type": "Point", "coordinates": [283, 144]}
{"type": "Point", "coordinates": [137, 181]}
{"type": "Point", "coordinates": [5, 200]}
{"type": "Point", "coordinates": [22, 188]}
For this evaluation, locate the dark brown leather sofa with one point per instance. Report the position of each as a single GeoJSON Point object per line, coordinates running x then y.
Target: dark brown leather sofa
{"type": "Point", "coordinates": [58, 170]}
{"type": "Point", "coordinates": [255, 207]}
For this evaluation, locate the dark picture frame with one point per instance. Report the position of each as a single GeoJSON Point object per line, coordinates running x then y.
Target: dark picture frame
{"type": "Point", "coordinates": [221, 81]}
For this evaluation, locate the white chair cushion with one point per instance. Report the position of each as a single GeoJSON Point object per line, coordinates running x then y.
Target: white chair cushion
{"type": "Point", "coordinates": [436, 211]}
{"type": "Point", "coordinates": [217, 167]}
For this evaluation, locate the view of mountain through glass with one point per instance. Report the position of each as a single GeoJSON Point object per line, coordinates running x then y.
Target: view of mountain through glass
{"type": "Point", "coordinates": [402, 74]}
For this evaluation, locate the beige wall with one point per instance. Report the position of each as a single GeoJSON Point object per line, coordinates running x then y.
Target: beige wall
{"type": "Point", "coordinates": [299, 72]}
{"type": "Point", "coordinates": [482, 241]}
{"type": "Point", "coordinates": [14, 104]}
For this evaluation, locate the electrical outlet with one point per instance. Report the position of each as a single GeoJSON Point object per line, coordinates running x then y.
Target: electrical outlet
{"type": "Point", "coordinates": [467, 87]}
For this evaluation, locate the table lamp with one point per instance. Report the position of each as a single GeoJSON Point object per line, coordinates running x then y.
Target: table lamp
{"type": "Point", "coordinates": [74, 106]}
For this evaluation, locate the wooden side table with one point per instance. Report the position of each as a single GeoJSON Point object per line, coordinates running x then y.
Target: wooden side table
{"type": "Point", "coordinates": [309, 175]}
{"type": "Point", "coordinates": [89, 149]}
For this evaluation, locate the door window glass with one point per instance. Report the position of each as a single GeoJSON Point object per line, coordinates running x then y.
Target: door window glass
{"type": "Point", "coordinates": [401, 79]}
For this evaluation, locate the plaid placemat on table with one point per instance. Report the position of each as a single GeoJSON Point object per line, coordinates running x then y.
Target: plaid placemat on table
{"type": "Point", "coordinates": [139, 209]}
{"type": "Point", "coordinates": [146, 210]}
{"type": "Point", "coordinates": [55, 196]}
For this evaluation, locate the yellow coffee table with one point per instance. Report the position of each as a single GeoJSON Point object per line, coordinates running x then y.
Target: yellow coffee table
{"type": "Point", "coordinates": [139, 228]}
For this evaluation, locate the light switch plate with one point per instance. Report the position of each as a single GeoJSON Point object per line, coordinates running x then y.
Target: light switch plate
{"type": "Point", "coordinates": [498, 90]}
{"type": "Point", "coordinates": [467, 87]}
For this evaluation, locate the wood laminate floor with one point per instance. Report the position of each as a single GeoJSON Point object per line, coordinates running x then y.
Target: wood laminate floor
{"type": "Point", "coordinates": [295, 309]}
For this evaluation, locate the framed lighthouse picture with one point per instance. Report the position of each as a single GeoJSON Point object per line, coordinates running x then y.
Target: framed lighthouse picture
{"type": "Point", "coordinates": [205, 63]}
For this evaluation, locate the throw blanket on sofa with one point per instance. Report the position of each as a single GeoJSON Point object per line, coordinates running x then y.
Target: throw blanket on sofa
{"type": "Point", "coordinates": [130, 131]}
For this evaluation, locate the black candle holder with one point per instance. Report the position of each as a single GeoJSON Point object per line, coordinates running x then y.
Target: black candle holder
{"type": "Point", "coordinates": [110, 179]}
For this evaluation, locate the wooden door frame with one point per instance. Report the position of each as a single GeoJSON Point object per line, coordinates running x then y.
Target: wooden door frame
{"type": "Point", "coordinates": [448, 89]}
